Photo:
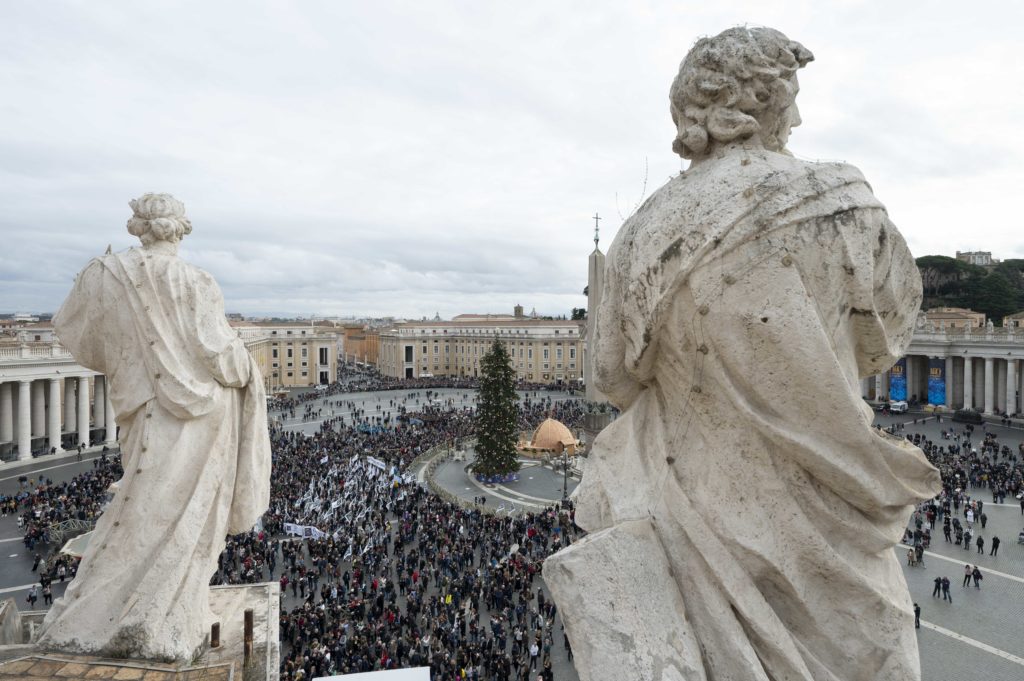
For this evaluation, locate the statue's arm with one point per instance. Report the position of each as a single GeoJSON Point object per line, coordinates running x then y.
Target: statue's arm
{"type": "Point", "coordinates": [81, 315]}
{"type": "Point", "coordinates": [895, 293]}
{"type": "Point", "coordinates": [223, 351]}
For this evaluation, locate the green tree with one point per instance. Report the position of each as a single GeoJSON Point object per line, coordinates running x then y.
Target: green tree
{"type": "Point", "coordinates": [996, 297]}
{"type": "Point", "coordinates": [579, 313]}
{"type": "Point", "coordinates": [497, 414]}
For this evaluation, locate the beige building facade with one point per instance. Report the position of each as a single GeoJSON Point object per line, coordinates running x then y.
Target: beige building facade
{"type": "Point", "coordinates": [361, 344]}
{"type": "Point", "coordinates": [541, 350]}
{"type": "Point", "coordinates": [955, 318]}
{"type": "Point", "coordinates": [291, 355]}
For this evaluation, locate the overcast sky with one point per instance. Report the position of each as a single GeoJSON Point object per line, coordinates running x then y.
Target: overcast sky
{"type": "Point", "coordinates": [408, 158]}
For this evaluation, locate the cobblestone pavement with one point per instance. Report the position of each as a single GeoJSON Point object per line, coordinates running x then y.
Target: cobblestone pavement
{"type": "Point", "coordinates": [369, 401]}
{"type": "Point", "coordinates": [538, 486]}
{"type": "Point", "coordinates": [981, 633]}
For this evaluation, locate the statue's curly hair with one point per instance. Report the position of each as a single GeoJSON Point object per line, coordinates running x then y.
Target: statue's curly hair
{"type": "Point", "coordinates": [728, 83]}
{"type": "Point", "coordinates": [158, 217]}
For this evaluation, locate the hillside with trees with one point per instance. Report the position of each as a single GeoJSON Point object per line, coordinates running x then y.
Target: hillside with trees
{"type": "Point", "coordinates": [997, 291]}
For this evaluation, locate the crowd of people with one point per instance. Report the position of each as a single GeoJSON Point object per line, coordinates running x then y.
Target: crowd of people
{"type": "Point", "coordinates": [377, 573]}
{"type": "Point", "coordinates": [384, 575]}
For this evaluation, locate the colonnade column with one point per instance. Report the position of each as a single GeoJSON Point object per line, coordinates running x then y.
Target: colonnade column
{"type": "Point", "coordinates": [990, 384]}
{"type": "Point", "coordinates": [70, 405]}
{"type": "Point", "coordinates": [99, 384]}
{"type": "Point", "coordinates": [1011, 386]}
{"type": "Point", "coordinates": [54, 414]}
{"type": "Point", "coordinates": [38, 409]}
{"type": "Point", "coordinates": [879, 387]}
{"type": "Point", "coordinates": [83, 411]}
{"type": "Point", "coordinates": [111, 435]}
{"type": "Point", "coordinates": [6, 413]}
{"type": "Point", "coordinates": [24, 420]}
{"type": "Point", "coordinates": [968, 382]}
{"type": "Point", "coordinates": [949, 382]}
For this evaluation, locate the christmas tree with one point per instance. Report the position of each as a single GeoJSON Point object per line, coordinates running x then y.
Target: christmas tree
{"type": "Point", "coordinates": [497, 415]}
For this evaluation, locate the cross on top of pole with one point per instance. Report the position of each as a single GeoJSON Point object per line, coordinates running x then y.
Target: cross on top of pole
{"type": "Point", "coordinates": [597, 231]}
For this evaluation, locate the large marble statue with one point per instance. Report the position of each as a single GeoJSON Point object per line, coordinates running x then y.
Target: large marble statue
{"type": "Point", "coordinates": [742, 509]}
{"type": "Point", "coordinates": [195, 449]}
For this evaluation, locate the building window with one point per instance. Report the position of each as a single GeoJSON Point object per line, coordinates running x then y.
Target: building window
{"type": "Point", "coordinates": [323, 355]}
{"type": "Point", "coordinates": [305, 364]}
{"type": "Point", "coordinates": [529, 353]}
{"type": "Point", "coordinates": [305, 352]}
{"type": "Point", "coordinates": [558, 353]}
{"type": "Point", "coordinates": [274, 365]}
{"type": "Point", "coordinates": [572, 353]}
{"type": "Point", "coordinates": [545, 353]}
{"type": "Point", "coordinates": [273, 353]}
{"type": "Point", "coordinates": [289, 353]}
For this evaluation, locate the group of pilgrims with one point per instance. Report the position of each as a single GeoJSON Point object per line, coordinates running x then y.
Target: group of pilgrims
{"type": "Point", "coordinates": [378, 573]}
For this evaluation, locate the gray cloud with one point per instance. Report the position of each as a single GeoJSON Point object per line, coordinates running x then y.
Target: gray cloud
{"type": "Point", "coordinates": [407, 158]}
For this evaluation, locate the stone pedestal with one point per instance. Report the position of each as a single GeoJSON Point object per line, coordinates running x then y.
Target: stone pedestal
{"type": "Point", "coordinates": [21, 659]}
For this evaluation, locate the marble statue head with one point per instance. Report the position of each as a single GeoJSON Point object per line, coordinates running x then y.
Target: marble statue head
{"type": "Point", "coordinates": [158, 217]}
{"type": "Point", "coordinates": [737, 85]}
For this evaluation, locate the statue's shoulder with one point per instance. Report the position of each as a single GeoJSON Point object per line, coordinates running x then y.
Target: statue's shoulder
{"type": "Point", "coordinates": [746, 168]}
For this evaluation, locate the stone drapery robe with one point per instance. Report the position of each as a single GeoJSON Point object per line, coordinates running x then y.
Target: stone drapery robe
{"type": "Point", "coordinates": [195, 449]}
{"type": "Point", "coordinates": [742, 508]}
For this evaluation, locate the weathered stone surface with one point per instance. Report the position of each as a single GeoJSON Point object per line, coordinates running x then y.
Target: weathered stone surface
{"type": "Point", "coordinates": [742, 502]}
{"type": "Point", "coordinates": [194, 442]}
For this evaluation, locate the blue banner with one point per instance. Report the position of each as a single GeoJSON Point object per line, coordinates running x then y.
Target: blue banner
{"type": "Point", "coordinates": [898, 381]}
{"type": "Point", "coordinates": [936, 381]}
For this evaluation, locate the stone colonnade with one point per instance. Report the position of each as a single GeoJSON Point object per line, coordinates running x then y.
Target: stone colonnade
{"type": "Point", "coordinates": [49, 414]}
{"type": "Point", "coordinates": [991, 385]}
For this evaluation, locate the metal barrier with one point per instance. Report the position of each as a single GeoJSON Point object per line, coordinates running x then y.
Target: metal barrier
{"type": "Point", "coordinates": [60, 532]}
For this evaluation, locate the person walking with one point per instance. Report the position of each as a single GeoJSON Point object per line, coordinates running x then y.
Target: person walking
{"type": "Point", "coordinates": [976, 574]}
{"type": "Point", "coordinates": [984, 520]}
{"type": "Point", "coordinates": [995, 546]}
{"type": "Point", "coordinates": [981, 545]}
{"type": "Point", "coordinates": [967, 576]}
{"type": "Point", "coordinates": [917, 616]}
{"type": "Point", "coordinates": [935, 592]}
{"type": "Point", "coordinates": [945, 590]}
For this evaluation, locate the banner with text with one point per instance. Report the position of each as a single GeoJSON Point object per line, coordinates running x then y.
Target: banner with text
{"type": "Point", "coordinates": [898, 381]}
{"type": "Point", "coordinates": [936, 381]}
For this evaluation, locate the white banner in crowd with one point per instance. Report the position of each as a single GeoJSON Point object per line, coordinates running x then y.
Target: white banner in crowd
{"type": "Point", "coordinates": [374, 461]}
{"type": "Point", "coordinates": [410, 674]}
{"type": "Point", "coordinates": [304, 531]}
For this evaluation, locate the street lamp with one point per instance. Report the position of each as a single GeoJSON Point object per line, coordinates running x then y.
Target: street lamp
{"type": "Point", "coordinates": [565, 475]}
